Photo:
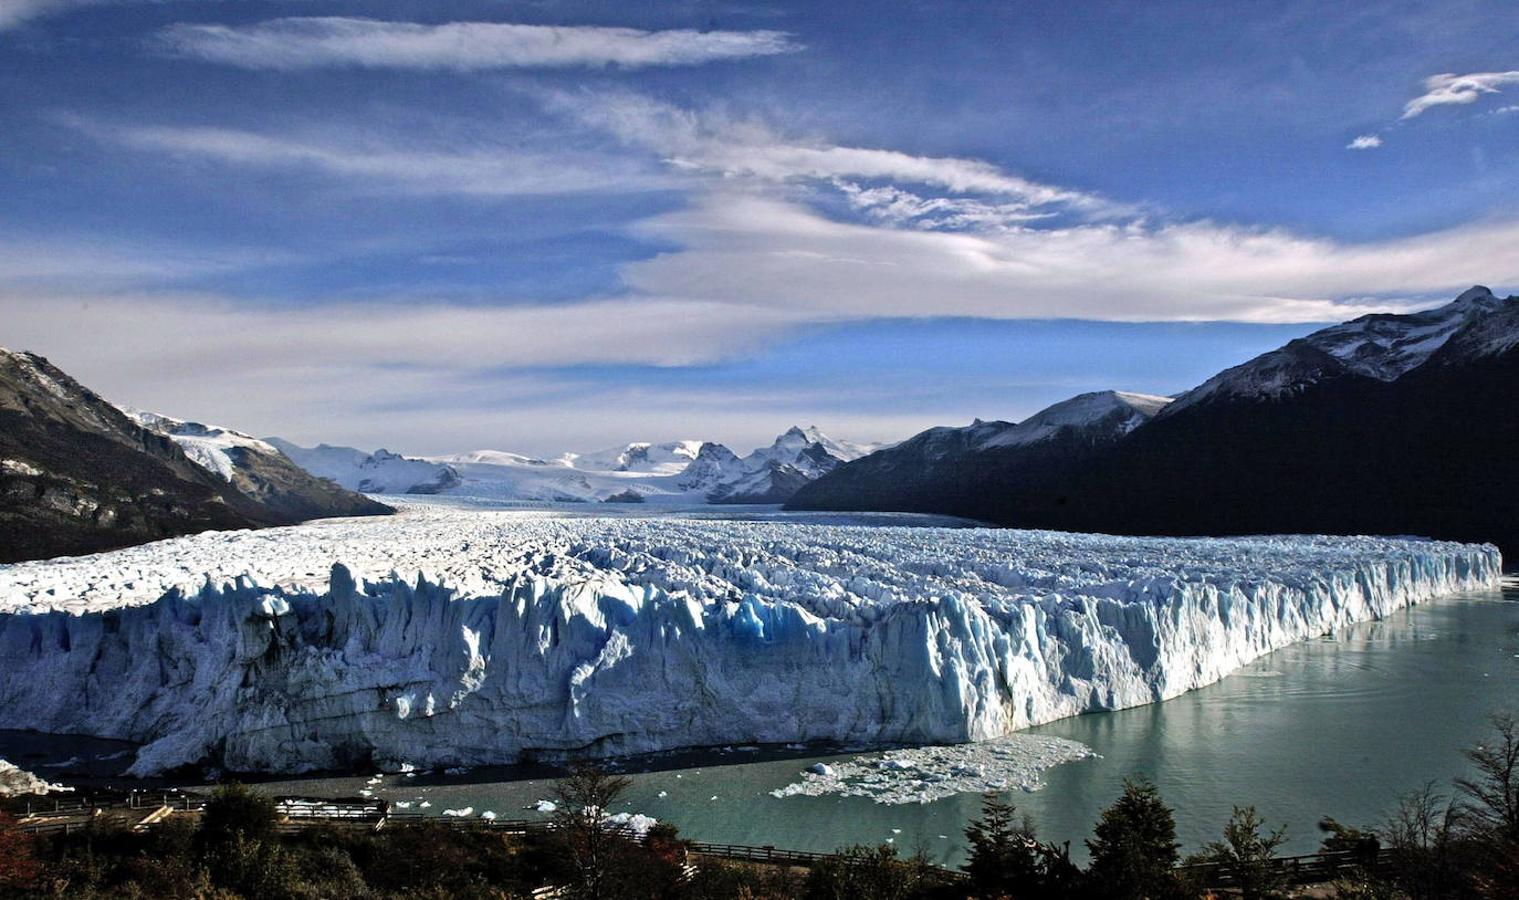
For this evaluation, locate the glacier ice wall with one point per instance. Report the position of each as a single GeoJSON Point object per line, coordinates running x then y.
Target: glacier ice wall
{"type": "Point", "coordinates": [445, 637]}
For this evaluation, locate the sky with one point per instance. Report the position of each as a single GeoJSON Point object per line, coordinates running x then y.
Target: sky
{"type": "Point", "coordinates": [550, 225]}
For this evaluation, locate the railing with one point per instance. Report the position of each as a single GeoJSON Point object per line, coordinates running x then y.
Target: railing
{"type": "Point", "coordinates": [1312, 868]}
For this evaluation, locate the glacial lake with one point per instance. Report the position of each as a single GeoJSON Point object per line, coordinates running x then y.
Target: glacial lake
{"type": "Point", "coordinates": [1337, 726]}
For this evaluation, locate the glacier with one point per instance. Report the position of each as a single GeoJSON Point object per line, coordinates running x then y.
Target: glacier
{"type": "Point", "coordinates": [447, 637]}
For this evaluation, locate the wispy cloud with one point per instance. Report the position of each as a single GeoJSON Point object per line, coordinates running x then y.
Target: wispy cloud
{"type": "Point", "coordinates": [1365, 142]}
{"type": "Point", "coordinates": [1450, 89]}
{"type": "Point", "coordinates": [386, 164]}
{"type": "Point", "coordinates": [711, 143]}
{"type": "Point", "coordinates": [745, 249]}
{"type": "Point", "coordinates": [325, 42]}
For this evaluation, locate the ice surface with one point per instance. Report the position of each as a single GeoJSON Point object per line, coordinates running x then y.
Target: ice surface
{"type": "Point", "coordinates": [445, 637]}
{"type": "Point", "coordinates": [15, 781]}
{"type": "Point", "coordinates": [926, 774]}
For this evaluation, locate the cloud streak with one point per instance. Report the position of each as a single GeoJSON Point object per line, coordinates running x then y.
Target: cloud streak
{"type": "Point", "coordinates": [1365, 142]}
{"type": "Point", "coordinates": [714, 144]}
{"type": "Point", "coordinates": [381, 165]}
{"type": "Point", "coordinates": [298, 43]}
{"type": "Point", "coordinates": [1450, 89]}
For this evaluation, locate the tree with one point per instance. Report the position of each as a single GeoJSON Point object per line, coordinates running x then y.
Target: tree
{"type": "Point", "coordinates": [1007, 860]}
{"type": "Point", "coordinates": [1134, 847]}
{"type": "Point", "coordinates": [582, 800]}
{"type": "Point", "coordinates": [1004, 856]}
{"type": "Point", "coordinates": [1248, 856]}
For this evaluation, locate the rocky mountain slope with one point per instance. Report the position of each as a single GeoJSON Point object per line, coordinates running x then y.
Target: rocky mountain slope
{"type": "Point", "coordinates": [78, 475]}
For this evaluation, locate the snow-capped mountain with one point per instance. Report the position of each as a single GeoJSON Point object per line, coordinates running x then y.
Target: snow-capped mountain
{"type": "Point", "coordinates": [925, 471]}
{"type": "Point", "coordinates": [256, 468]}
{"type": "Point", "coordinates": [380, 472]}
{"type": "Point", "coordinates": [1380, 346]}
{"type": "Point", "coordinates": [669, 458]}
{"type": "Point", "coordinates": [713, 466]}
{"type": "Point", "coordinates": [1108, 414]}
{"type": "Point", "coordinates": [775, 473]}
{"type": "Point", "coordinates": [676, 472]}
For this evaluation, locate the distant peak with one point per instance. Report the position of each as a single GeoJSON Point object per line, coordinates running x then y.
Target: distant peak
{"type": "Point", "coordinates": [1475, 293]}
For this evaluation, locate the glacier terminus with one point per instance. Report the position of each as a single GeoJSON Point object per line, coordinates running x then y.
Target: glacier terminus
{"type": "Point", "coordinates": [450, 636]}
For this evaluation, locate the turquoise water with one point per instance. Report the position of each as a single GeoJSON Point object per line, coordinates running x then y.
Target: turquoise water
{"type": "Point", "coordinates": [1337, 726]}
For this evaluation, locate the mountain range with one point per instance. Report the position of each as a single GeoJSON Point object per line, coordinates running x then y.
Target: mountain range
{"type": "Point", "coordinates": [676, 472]}
{"type": "Point", "coordinates": [1387, 424]}
{"type": "Point", "coordinates": [79, 475]}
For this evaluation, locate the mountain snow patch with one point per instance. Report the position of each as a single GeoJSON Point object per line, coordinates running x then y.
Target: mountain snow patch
{"type": "Point", "coordinates": [449, 637]}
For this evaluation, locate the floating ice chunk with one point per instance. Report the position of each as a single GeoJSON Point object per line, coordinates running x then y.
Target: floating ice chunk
{"type": "Point", "coordinates": [460, 813]}
{"type": "Point", "coordinates": [488, 815]}
{"type": "Point", "coordinates": [546, 806]}
{"type": "Point", "coordinates": [820, 769]}
{"type": "Point", "coordinates": [637, 823]}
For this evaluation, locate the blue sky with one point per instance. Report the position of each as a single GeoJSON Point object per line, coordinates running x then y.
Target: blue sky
{"type": "Point", "coordinates": [540, 226]}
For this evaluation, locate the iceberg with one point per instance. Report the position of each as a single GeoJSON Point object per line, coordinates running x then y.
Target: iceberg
{"type": "Point", "coordinates": [446, 637]}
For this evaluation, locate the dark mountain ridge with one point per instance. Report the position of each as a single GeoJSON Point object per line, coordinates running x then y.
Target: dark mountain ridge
{"type": "Point", "coordinates": [1383, 425]}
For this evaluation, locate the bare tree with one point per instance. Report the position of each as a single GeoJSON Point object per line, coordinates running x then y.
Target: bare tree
{"type": "Point", "coordinates": [1491, 806]}
{"type": "Point", "coordinates": [1421, 833]}
{"type": "Point", "coordinates": [583, 799]}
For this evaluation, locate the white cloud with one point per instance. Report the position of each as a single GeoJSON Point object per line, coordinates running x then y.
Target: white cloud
{"type": "Point", "coordinates": [321, 42]}
{"type": "Point", "coordinates": [1449, 89]}
{"type": "Point", "coordinates": [17, 12]}
{"type": "Point", "coordinates": [383, 165]}
{"type": "Point", "coordinates": [895, 206]}
{"type": "Point", "coordinates": [371, 372]}
{"type": "Point", "coordinates": [1365, 142]}
{"type": "Point", "coordinates": [716, 144]}
{"type": "Point", "coordinates": [746, 249]}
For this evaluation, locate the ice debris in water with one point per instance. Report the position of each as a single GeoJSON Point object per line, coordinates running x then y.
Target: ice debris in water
{"type": "Point", "coordinates": [926, 774]}
{"type": "Point", "coordinates": [546, 806]}
{"type": "Point", "coordinates": [460, 813]}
